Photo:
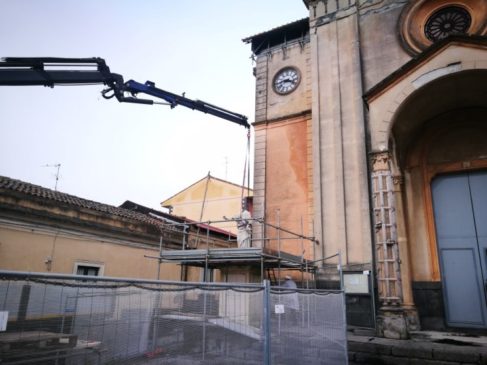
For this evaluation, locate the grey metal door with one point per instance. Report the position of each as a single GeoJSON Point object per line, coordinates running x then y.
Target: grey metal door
{"type": "Point", "coordinates": [460, 208]}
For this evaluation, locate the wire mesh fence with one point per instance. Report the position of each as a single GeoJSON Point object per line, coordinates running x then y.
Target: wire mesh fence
{"type": "Point", "coordinates": [55, 319]}
{"type": "Point", "coordinates": [308, 326]}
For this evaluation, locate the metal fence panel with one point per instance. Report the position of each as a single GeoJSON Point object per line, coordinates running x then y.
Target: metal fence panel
{"type": "Point", "coordinates": [308, 327]}
{"type": "Point", "coordinates": [74, 320]}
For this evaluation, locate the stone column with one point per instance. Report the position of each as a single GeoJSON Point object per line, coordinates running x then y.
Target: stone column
{"type": "Point", "coordinates": [396, 317]}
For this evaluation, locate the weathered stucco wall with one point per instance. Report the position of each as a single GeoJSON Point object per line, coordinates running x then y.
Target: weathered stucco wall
{"type": "Point", "coordinates": [342, 213]}
{"type": "Point", "coordinates": [448, 60]}
{"type": "Point", "coordinates": [282, 165]}
{"type": "Point", "coordinates": [27, 249]}
{"type": "Point", "coordinates": [288, 185]}
{"type": "Point", "coordinates": [382, 52]}
{"type": "Point", "coordinates": [214, 198]}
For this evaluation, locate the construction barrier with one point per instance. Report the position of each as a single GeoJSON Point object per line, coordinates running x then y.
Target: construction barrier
{"type": "Point", "coordinates": [61, 319]}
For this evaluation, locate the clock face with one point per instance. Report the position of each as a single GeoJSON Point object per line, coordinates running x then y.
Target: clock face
{"type": "Point", "coordinates": [286, 80]}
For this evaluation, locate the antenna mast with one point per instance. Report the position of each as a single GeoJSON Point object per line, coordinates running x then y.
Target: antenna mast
{"type": "Point", "coordinates": [57, 166]}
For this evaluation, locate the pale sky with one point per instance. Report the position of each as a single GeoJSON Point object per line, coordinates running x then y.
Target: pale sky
{"type": "Point", "coordinates": [111, 152]}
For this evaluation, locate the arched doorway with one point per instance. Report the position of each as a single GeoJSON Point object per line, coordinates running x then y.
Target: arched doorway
{"type": "Point", "coordinates": [439, 141]}
{"type": "Point", "coordinates": [460, 216]}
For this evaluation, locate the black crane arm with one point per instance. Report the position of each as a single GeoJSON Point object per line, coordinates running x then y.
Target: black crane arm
{"type": "Point", "coordinates": [50, 71]}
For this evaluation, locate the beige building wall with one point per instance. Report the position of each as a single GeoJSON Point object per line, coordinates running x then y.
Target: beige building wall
{"type": "Point", "coordinates": [25, 247]}
{"type": "Point", "coordinates": [339, 151]}
{"type": "Point", "coordinates": [209, 199]}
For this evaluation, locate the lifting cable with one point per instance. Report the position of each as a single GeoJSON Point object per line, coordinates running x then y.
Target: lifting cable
{"type": "Point", "coordinates": [246, 171]}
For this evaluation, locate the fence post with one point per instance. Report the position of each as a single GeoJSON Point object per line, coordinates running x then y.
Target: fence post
{"type": "Point", "coordinates": [267, 323]}
{"type": "Point", "coordinates": [344, 314]}
{"type": "Point", "coordinates": [340, 270]}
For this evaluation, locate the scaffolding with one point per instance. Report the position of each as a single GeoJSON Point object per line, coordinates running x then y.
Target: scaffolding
{"type": "Point", "coordinates": [261, 256]}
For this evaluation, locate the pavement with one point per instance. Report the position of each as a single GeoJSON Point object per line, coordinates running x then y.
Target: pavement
{"type": "Point", "coordinates": [424, 347]}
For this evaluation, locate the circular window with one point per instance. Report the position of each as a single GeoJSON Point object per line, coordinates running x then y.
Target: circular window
{"type": "Point", "coordinates": [446, 21]}
{"type": "Point", "coordinates": [425, 22]}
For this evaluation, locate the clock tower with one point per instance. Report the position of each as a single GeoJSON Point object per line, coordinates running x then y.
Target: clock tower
{"type": "Point", "coordinates": [283, 156]}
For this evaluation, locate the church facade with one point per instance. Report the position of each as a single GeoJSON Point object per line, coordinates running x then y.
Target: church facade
{"type": "Point", "coordinates": [371, 135]}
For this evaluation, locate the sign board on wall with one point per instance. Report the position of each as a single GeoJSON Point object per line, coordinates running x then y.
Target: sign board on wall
{"type": "Point", "coordinates": [356, 282]}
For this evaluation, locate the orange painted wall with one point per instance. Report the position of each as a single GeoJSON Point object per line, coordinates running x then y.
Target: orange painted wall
{"type": "Point", "coordinates": [288, 183]}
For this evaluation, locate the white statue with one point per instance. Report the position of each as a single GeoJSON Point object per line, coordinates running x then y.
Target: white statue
{"type": "Point", "coordinates": [244, 226]}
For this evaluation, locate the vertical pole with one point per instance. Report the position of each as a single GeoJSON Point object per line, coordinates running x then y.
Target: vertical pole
{"type": "Point", "coordinates": [302, 252]}
{"type": "Point", "coordinates": [267, 323]}
{"type": "Point", "coordinates": [155, 320]}
{"type": "Point", "coordinates": [307, 276]}
{"type": "Point", "coordinates": [340, 271]}
{"type": "Point", "coordinates": [64, 318]}
{"type": "Point", "coordinates": [183, 267]}
{"type": "Point", "coordinates": [313, 242]}
{"type": "Point", "coordinates": [207, 253]}
{"type": "Point", "coordinates": [278, 219]}
{"type": "Point", "coordinates": [204, 324]}
{"type": "Point", "coordinates": [159, 261]}
{"type": "Point", "coordinates": [308, 309]}
{"type": "Point", "coordinates": [205, 274]}
{"type": "Point", "coordinates": [344, 327]}
{"type": "Point", "coordinates": [202, 209]}
{"type": "Point", "coordinates": [185, 232]}
{"type": "Point", "coordinates": [204, 196]}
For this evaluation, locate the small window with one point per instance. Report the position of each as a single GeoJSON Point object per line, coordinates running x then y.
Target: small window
{"type": "Point", "coordinates": [88, 269]}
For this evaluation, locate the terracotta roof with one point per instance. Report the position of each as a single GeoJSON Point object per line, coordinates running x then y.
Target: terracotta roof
{"type": "Point", "coordinates": [137, 207]}
{"type": "Point", "coordinates": [36, 191]}
{"type": "Point", "coordinates": [279, 35]}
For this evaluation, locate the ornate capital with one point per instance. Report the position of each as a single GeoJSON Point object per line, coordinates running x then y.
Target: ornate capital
{"type": "Point", "coordinates": [398, 180]}
{"type": "Point", "coordinates": [380, 161]}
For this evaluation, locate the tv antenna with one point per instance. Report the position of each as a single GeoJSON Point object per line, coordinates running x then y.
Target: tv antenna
{"type": "Point", "coordinates": [226, 167]}
{"type": "Point", "coordinates": [57, 166]}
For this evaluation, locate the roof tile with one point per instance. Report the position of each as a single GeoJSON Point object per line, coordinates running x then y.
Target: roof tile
{"type": "Point", "coordinates": [19, 186]}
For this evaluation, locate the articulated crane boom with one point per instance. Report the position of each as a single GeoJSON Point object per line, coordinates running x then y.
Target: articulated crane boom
{"type": "Point", "coordinates": [49, 71]}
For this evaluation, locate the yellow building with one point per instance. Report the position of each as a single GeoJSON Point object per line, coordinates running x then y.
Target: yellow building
{"type": "Point", "coordinates": [209, 199]}
{"type": "Point", "coordinates": [43, 230]}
